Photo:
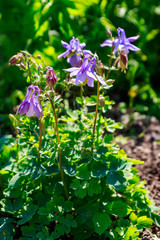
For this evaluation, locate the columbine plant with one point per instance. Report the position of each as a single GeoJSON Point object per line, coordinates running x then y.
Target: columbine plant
{"type": "Point", "coordinates": [62, 178]}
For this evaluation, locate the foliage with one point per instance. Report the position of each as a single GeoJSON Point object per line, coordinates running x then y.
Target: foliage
{"type": "Point", "coordinates": [41, 24]}
{"type": "Point", "coordinates": [61, 179]}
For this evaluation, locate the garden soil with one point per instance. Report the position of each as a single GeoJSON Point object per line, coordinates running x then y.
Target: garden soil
{"type": "Point", "coordinates": [144, 144]}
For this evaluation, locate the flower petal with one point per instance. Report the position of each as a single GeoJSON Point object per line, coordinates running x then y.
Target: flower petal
{"type": "Point", "coordinates": [82, 45]}
{"type": "Point", "coordinates": [63, 54]}
{"type": "Point", "coordinates": [108, 43]}
{"type": "Point", "coordinates": [90, 82]}
{"type": "Point", "coordinates": [30, 112]}
{"type": "Point", "coordinates": [64, 44]}
{"type": "Point", "coordinates": [132, 39]}
{"type": "Point", "coordinates": [132, 47]}
{"type": "Point", "coordinates": [101, 80]}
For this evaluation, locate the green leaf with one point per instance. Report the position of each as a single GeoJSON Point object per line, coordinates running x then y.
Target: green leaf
{"type": "Point", "coordinates": [82, 172]}
{"type": "Point", "coordinates": [120, 209]}
{"type": "Point", "coordinates": [116, 180]}
{"type": "Point", "coordinates": [6, 224]}
{"type": "Point", "coordinates": [108, 138]}
{"type": "Point", "coordinates": [144, 222]}
{"type": "Point", "coordinates": [155, 218]}
{"type": "Point", "coordinates": [73, 114]}
{"type": "Point", "coordinates": [27, 214]}
{"type": "Point", "coordinates": [29, 231]}
{"type": "Point", "coordinates": [133, 217]}
{"type": "Point", "coordinates": [131, 233]}
{"type": "Point", "coordinates": [118, 164]}
{"type": "Point", "coordinates": [14, 182]}
{"type": "Point", "coordinates": [50, 170]}
{"type": "Point", "coordinates": [101, 222]}
{"type": "Point", "coordinates": [134, 161]}
{"type": "Point", "coordinates": [80, 188]}
{"type": "Point", "coordinates": [99, 169]}
{"type": "Point", "coordinates": [94, 187]}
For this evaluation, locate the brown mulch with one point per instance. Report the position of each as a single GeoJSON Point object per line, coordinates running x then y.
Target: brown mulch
{"type": "Point", "coordinates": [144, 144]}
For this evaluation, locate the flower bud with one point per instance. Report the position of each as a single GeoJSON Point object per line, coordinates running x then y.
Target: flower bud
{"type": "Point", "coordinates": [110, 82]}
{"type": "Point", "coordinates": [101, 100]}
{"type": "Point", "coordinates": [15, 59]}
{"type": "Point", "coordinates": [100, 69]}
{"type": "Point", "coordinates": [51, 77]}
{"type": "Point", "coordinates": [109, 33]}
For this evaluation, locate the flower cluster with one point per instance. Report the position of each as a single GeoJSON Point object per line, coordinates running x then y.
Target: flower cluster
{"type": "Point", "coordinates": [122, 45]}
{"type": "Point", "coordinates": [86, 68]}
{"type": "Point", "coordinates": [30, 104]}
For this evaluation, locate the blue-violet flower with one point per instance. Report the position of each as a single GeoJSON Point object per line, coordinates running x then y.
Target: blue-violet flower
{"type": "Point", "coordinates": [73, 52]}
{"type": "Point", "coordinates": [30, 104]}
{"type": "Point", "coordinates": [121, 43]}
{"type": "Point", "coordinates": [86, 73]}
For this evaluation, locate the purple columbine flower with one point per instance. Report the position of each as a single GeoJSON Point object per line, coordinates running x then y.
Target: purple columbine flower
{"type": "Point", "coordinates": [30, 104]}
{"type": "Point", "coordinates": [73, 52]}
{"type": "Point", "coordinates": [121, 43]}
{"type": "Point", "coordinates": [86, 73]}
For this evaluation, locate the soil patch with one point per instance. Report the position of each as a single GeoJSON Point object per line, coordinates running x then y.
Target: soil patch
{"type": "Point", "coordinates": [143, 143]}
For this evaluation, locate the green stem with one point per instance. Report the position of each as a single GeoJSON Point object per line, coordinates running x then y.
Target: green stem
{"type": "Point", "coordinates": [17, 144]}
{"type": "Point", "coordinates": [40, 133]}
{"type": "Point", "coordinates": [98, 125]}
{"type": "Point", "coordinates": [110, 62]}
{"type": "Point", "coordinates": [95, 119]}
{"type": "Point", "coordinates": [81, 93]}
{"type": "Point", "coordinates": [59, 148]}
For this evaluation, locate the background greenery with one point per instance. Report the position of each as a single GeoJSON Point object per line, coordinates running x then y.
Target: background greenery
{"type": "Point", "coordinates": [39, 25]}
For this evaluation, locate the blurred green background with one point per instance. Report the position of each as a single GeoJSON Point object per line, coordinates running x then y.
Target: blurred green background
{"type": "Point", "coordinates": [39, 25]}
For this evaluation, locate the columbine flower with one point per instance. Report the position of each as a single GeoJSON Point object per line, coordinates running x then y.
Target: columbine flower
{"type": "Point", "coordinates": [86, 73]}
{"type": "Point", "coordinates": [30, 104]}
{"type": "Point", "coordinates": [51, 77]}
{"type": "Point", "coordinates": [121, 43]}
{"type": "Point", "coordinates": [73, 52]}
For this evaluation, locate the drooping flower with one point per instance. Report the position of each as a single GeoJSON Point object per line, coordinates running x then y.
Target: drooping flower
{"type": "Point", "coordinates": [30, 104]}
{"type": "Point", "coordinates": [73, 52]}
{"type": "Point", "coordinates": [86, 73]}
{"type": "Point", "coordinates": [122, 61]}
{"type": "Point", "coordinates": [51, 77]}
{"type": "Point", "coordinates": [121, 43]}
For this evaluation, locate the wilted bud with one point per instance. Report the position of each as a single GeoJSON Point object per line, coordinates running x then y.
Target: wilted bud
{"type": "Point", "coordinates": [101, 100]}
{"type": "Point", "coordinates": [109, 33]}
{"type": "Point", "coordinates": [100, 69]}
{"type": "Point", "coordinates": [122, 61]}
{"type": "Point", "coordinates": [51, 77]}
{"type": "Point", "coordinates": [15, 59]}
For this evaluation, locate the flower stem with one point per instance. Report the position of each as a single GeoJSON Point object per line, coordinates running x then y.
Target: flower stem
{"type": "Point", "coordinates": [59, 148]}
{"type": "Point", "coordinates": [17, 144]}
{"type": "Point", "coordinates": [40, 133]}
{"type": "Point", "coordinates": [81, 89]}
{"type": "Point", "coordinates": [95, 119]}
{"type": "Point", "coordinates": [110, 62]}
